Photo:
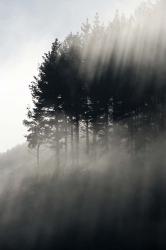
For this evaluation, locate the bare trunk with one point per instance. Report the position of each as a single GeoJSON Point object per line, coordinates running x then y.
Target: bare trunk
{"type": "Point", "coordinates": [87, 137]}
{"type": "Point", "coordinates": [65, 137]}
{"type": "Point", "coordinates": [77, 140]}
{"type": "Point", "coordinates": [72, 141]}
{"type": "Point", "coordinates": [106, 128]}
{"type": "Point", "coordinates": [94, 143]}
{"type": "Point", "coordinates": [57, 146]}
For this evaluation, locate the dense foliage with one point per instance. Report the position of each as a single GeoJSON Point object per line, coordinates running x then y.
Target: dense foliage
{"type": "Point", "coordinates": [101, 82]}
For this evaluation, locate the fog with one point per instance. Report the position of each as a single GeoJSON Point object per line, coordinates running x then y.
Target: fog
{"type": "Point", "coordinates": [118, 202]}
{"type": "Point", "coordinates": [138, 40]}
{"type": "Point", "coordinates": [27, 30]}
{"type": "Point", "coordinates": [92, 172]}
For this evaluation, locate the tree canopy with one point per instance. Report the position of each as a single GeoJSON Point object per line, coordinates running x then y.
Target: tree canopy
{"type": "Point", "coordinates": [103, 81]}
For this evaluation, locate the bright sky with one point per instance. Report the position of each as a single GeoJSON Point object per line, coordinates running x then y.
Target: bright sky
{"type": "Point", "coordinates": [27, 30]}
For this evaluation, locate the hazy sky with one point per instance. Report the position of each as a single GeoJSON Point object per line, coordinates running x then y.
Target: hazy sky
{"type": "Point", "coordinates": [27, 28]}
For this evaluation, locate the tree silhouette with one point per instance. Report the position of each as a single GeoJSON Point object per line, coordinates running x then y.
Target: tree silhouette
{"type": "Point", "coordinates": [105, 80]}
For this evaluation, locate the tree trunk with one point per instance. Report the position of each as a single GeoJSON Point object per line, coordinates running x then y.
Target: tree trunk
{"type": "Point", "coordinates": [94, 143]}
{"type": "Point", "coordinates": [57, 146]}
{"type": "Point", "coordinates": [72, 142]}
{"type": "Point", "coordinates": [87, 137]}
{"type": "Point", "coordinates": [65, 137]}
{"type": "Point", "coordinates": [77, 140]}
{"type": "Point", "coordinates": [106, 127]}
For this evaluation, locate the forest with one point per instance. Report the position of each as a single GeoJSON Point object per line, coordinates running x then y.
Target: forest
{"type": "Point", "coordinates": [102, 86]}
{"type": "Point", "coordinates": [92, 175]}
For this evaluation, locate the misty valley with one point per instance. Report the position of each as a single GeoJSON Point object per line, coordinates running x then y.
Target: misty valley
{"type": "Point", "coordinates": [92, 172]}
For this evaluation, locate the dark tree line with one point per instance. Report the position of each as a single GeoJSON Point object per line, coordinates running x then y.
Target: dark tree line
{"type": "Point", "coordinates": [101, 82]}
